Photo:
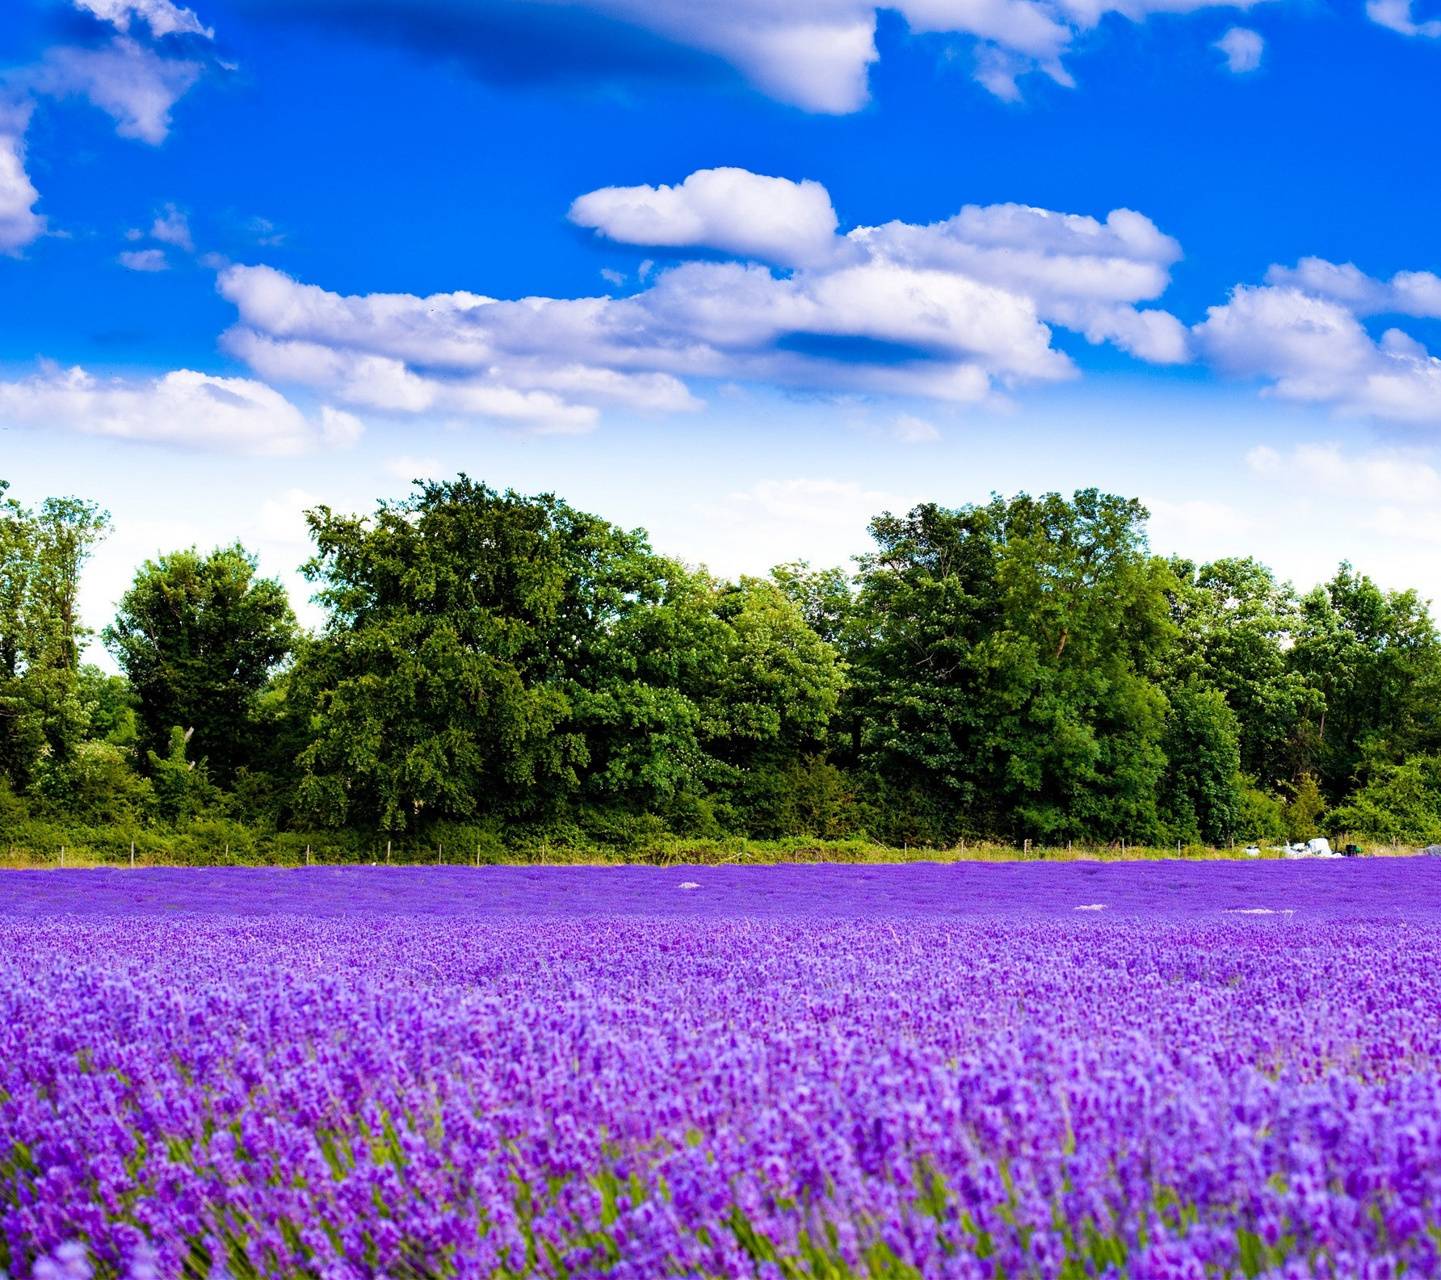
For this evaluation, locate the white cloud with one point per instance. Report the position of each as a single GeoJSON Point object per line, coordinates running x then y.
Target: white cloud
{"type": "Point", "coordinates": [1079, 272]}
{"type": "Point", "coordinates": [134, 85]}
{"type": "Point", "coordinates": [909, 429]}
{"type": "Point", "coordinates": [184, 408]}
{"type": "Point", "coordinates": [385, 383]}
{"type": "Point", "coordinates": [1399, 16]}
{"type": "Point", "coordinates": [1302, 334]}
{"type": "Point", "coordinates": [612, 276]}
{"type": "Point", "coordinates": [131, 83]}
{"type": "Point", "coordinates": [161, 16]}
{"type": "Point", "coordinates": [816, 54]}
{"type": "Point", "coordinates": [811, 53]}
{"type": "Point", "coordinates": [1399, 476]}
{"type": "Point", "coordinates": [733, 210]}
{"type": "Point", "coordinates": [1264, 460]}
{"type": "Point", "coordinates": [173, 228]}
{"type": "Point", "coordinates": [1412, 293]}
{"type": "Point", "coordinates": [1393, 493]}
{"type": "Point", "coordinates": [1243, 48]}
{"type": "Point", "coordinates": [144, 260]}
{"type": "Point", "coordinates": [19, 223]}
{"type": "Point", "coordinates": [956, 311]}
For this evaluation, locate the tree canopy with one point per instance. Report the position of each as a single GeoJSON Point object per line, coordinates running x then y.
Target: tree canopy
{"type": "Point", "coordinates": [199, 636]}
{"type": "Point", "coordinates": [1024, 668]}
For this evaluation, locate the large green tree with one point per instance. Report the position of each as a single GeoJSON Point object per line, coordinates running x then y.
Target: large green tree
{"type": "Point", "coordinates": [458, 618]}
{"type": "Point", "coordinates": [66, 531]}
{"type": "Point", "coordinates": [42, 555]}
{"type": "Point", "coordinates": [1004, 658]}
{"type": "Point", "coordinates": [496, 654]}
{"type": "Point", "coordinates": [1237, 625]}
{"type": "Point", "coordinates": [199, 637]}
{"type": "Point", "coordinates": [1375, 658]}
{"type": "Point", "coordinates": [1203, 790]}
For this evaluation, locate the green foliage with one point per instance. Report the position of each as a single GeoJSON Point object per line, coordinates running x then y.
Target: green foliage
{"type": "Point", "coordinates": [95, 786]}
{"type": "Point", "coordinates": [1003, 658]}
{"type": "Point", "coordinates": [495, 655]}
{"type": "Point", "coordinates": [198, 637]}
{"type": "Point", "coordinates": [1398, 802]}
{"type": "Point", "coordinates": [825, 597]}
{"type": "Point", "coordinates": [1236, 622]}
{"type": "Point", "coordinates": [1261, 817]}
{"type": "Point", "coordinates": [1202, 788]}
{"type": "Point", "coordinates": [182, 787]}
{"type": "Point", "coordinates": [42, 715]}
{"type": "Point", "coordinates": [17, 559]}
{"type": "Point", "coordinates": [108, 704]}
{"type": "Point", "coordinates": [1305, 809]}
{"type": "Point", "coordinates": [1375, 658]}
{"type": "Point", "coordinates": [63, 534]}
{"type": "Point", "coordinates": [504, 676]}
{"type": "Point", "coordinates": [441, 684]}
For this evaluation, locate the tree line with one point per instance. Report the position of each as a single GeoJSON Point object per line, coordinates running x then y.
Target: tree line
{"type": "Point", "coordinates": [1020, 669]}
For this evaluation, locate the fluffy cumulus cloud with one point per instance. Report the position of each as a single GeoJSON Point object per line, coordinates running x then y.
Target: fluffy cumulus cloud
{"type": "Point", "coordinates": [817, 53]}
{"type": "Point", "coordinates": [1077, 272]}
{"type": "Point", "coordinates": [734, 210]}
{"type": "Point", "coordinates": [19, 223]}
{"type": "Point", "coordinates": [1409, 293]}
{"type": "Point", "coordinates": [1243, 48]}
{"type": "Point", "coordinates": [1303, 333]}
{"type": "Point", "coordinates": [957, 311]}
{"type": "Point", "coordinates": [182, 408]}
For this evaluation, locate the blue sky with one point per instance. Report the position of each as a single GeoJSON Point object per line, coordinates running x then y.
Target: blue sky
{"type": "Point", "coordinates": [784, 262]}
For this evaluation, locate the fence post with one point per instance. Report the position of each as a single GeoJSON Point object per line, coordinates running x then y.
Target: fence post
{"type": "Point", "coordinates": [387, 853]}
{"type": "Point", "coordinates": [439, 853]}
{"type": "Point", "coordinates": [62, 855]}
{"type": "Point", "coordinates": [132, 855]}
{"type": "Point", "coordinates": [307, 855]}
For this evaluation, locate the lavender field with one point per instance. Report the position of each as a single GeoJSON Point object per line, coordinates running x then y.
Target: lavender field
{"type": "Point", "coordinates": [1140, 1070]}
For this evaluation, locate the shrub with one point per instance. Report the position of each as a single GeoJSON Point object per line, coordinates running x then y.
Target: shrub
{"type": "Point", "coordinates": [1398, 802]}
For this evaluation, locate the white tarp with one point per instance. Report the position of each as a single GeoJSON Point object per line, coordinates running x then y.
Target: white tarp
{"type": "Point", "coordinates": [1320, 848]}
